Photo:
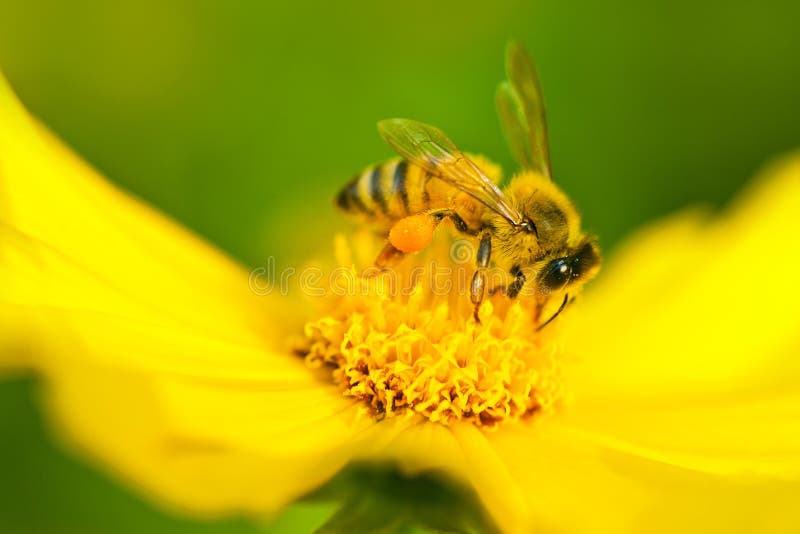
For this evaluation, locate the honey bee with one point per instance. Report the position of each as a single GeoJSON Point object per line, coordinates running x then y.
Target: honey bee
{"type": "Point", "coordinates": [531, 229]}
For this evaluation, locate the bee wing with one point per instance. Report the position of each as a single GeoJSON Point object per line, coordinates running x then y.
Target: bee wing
{"type": "Point", "coordinates": [429, 148]}
{"type": "Point", "coordinates": [521, 109]}
{"type": "Point", "coordinates": [514, 128]}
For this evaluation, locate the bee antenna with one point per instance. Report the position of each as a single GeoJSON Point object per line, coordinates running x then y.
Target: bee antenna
{"type": "Point", "coordinates": [560, 309]}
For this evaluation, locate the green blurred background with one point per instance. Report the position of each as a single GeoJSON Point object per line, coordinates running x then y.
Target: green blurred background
{"type": "Point", "coordinates": [242, 119]}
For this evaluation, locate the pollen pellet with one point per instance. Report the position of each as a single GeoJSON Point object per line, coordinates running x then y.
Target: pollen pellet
{"type": "Point", "coordinates": [412, 234]}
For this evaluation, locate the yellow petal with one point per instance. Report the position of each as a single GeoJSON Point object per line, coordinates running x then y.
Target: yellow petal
{"type": "Point", "coordinates": [121, 257]}
{"type": "Point", "coordinates": [76, 314]}
{"type": "Point", "coordinates": [699, 304]}
{"type": "Point", "coordinates": [494, 481]}
{"type": "Point", "coordinates": [282, 421]}
{"type": "Point", "coordinates": [548, 477]}
{"type": "Point", "coordinates": [754, 434]}
{"type": "Point", "coordinates": [156, 356]}
{"type": "Point", "coordinates": [571, 484]}
{"type": "Point", "coordinates": [462, 453]}
{"type": "Point", "coordinates": [121, 419]}
{"type": "Point", "coordinates": [688, 347]}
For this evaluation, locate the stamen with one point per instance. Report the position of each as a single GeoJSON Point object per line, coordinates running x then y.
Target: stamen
{"type": "Point", "coordinates": [415, 349]}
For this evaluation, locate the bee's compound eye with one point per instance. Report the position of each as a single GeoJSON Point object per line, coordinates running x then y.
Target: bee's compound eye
{"type": "Point", "coordinates": [557, 274]}
{"type": "Point", "coordinates": [585, 260]}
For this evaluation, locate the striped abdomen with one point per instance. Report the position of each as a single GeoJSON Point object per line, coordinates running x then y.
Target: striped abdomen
{"type": "Point", "coordinates": [391, 190]}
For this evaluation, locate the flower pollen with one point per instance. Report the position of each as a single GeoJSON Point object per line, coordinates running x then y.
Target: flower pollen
{"type": "Point", "coordinates": [404, 345]}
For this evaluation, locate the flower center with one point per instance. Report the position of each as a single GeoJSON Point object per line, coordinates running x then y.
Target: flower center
{"type": "Point", "coordinates": [404, 342]}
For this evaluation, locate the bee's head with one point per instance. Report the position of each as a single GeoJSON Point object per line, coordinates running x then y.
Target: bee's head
{"type": "Point", "coordinates": [546, 211]}
{"type": "Point", "coordinates": [577, 267]}
{"type": "Point", "coordinates": [549, 222]}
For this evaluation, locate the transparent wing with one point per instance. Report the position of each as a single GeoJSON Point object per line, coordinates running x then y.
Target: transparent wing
{"type": "Point", "coordinates": [521, 109]}
{"type": "Point", "coordinates": [514, 127]}
{"type": "Point", "coordinates": [430, 149]}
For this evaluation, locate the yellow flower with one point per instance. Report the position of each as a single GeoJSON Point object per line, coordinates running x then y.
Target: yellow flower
{"type": "Point", "coordinates": [666, 399]}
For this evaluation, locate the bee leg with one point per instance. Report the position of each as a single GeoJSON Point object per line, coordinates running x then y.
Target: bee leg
{"type": "Point", "coordinates": [516, 285]}
{"type": "Point", "coordinates": [510, 290]}
{"type": "Point", "coordinates": [461, 224]}
{"type": "Point", "coordinates": [478, 285]}
{"type": "Point", "coordinates": [494, 290]}
{"type": "Point", "coordinates": [388, 257]}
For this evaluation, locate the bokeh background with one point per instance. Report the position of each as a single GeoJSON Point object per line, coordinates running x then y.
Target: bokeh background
{"type": "Point", "coordinates": [241, 120]}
